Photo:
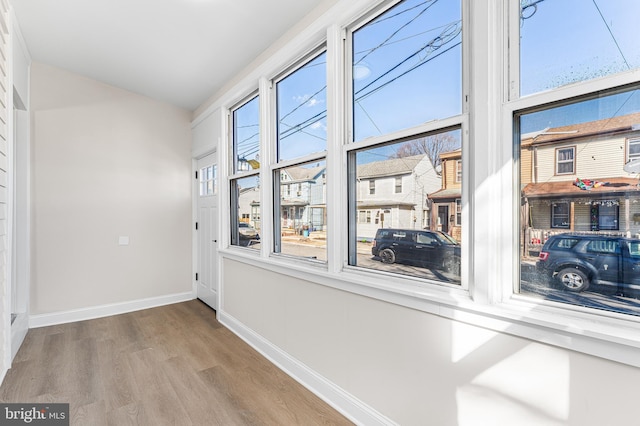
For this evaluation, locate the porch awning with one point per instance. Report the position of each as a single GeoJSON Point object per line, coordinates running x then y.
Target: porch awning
{"type": "Point", "coordinates": [384, 203]}
{"type": "Point", "coordinates": [446, 194]}
{"type": "Point", "coordinates": [611, 186]}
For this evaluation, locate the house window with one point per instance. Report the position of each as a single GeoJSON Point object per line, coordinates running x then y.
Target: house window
{"type": "Point", "coordinates": [364, 216]}
{"type": "Point", "coordinates": [633, 149]}
{"type": "Point", "coordinates": [458, 171]}
{"type": "Point", "coordinates": [608, 212]}
{"type": "Point", "coordinates": [299, 221]}
{"type": "Point", "coordinates": [565, 161]}
{"type": "Point", "coordinates": [458, 212]}
{"type": "Point", "coordinates": [372, 187]}
{"type": "Point", "coordinates": [244, 183]}
{"type": "Point", "coordinates": [398, 186]}
{"type": "Point", "coordinates": [572, 118]}
{"type": "Point", "coordinates": [560, 215]}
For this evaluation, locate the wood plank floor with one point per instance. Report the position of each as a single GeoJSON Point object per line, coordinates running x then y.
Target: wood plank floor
{"type": "Point", "coordinates": [172, 365]}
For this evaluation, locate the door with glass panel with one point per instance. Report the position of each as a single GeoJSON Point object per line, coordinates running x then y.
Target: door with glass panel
{"type": "Point", "coordinates": [207, 282]}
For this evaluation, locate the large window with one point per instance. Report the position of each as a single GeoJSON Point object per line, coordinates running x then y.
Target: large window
{"type": "Point", "coordinates": [406, 71]}
{"type": "Point", "coordinates": [377, 244]}
{"type": "Point", "coordinates": [302, 110]}
{"type": "Point", "coordinates": [444, 170]}
{"type": "Point", "coordinates": [572, 154]}
{"type": "Point", "coordinates": [568, 41]}
{"type": "Point", "coordinates": [300, 196]}
{"type": "Point", "coordinates": [245, 183]}
{"type": "Point", "coordinates": [407, 67]}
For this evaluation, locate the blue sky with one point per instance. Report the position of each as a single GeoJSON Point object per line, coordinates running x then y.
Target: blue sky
{"type": "Point", "coordinates": [567, 41]}
{"type": "Point", "coordinates": [407, 67]}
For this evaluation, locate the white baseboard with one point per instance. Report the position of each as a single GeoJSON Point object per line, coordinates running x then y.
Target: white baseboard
{"type": "Point", "coordinates": [44, 320]}
{"type": "Point", "coordinates": [19, 330]}
{"type": "Point", "coordinates": [351, 407]}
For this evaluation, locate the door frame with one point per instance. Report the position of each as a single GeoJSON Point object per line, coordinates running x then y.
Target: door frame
{"type": "Point", "coordinates": [18, 224]}
{"type": "Point", "coordinates": [216, 264]}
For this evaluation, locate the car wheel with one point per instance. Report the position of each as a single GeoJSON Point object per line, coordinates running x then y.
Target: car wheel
{"type": "Point", "coordinates": [387, 256]}
{"type": "Point", "coordinates": [452, 265]}
{"type": "Point", "coordinates": [573, 279]}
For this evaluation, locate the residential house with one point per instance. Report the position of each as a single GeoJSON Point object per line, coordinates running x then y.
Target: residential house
{"type": "Point", "coordinates": [574, 179]}
{"type": "Point", "coordinates": [303, 199]}
{"type": "Point", "coordinates": [392, 194]}
{"type": "Point", "coordinates": [249, 206]}
{"type": "Point", "coordinates": [446, 210]}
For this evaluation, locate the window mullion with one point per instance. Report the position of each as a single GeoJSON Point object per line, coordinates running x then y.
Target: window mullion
{"type": "Point", "coordinates": [267, 143]}
{"type": "Point", "coordinates": [336, 176]}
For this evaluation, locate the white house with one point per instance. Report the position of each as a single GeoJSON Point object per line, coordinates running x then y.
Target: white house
{"type": "Point", "coordinates": [392, 194]}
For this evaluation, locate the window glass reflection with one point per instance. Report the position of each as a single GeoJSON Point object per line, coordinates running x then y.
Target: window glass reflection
{"type": "Point", "coordinates": [414, 228]}
{"type": "Point", "coordinates": [580, 229]}
{"type": "Point", "coordinates": [407, 67]}
{"type": "Point", "coordinates": [594, 38]}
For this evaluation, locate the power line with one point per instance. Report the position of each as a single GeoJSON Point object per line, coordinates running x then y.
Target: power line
{"type": "Point", "coordinates": [611, 33]}
{"type": "Point", "coordinates": [386, 18]}
{"type": "Point", "coordinates": [398, 30]}
{"type": "Point", "coordinates": [410, 37]}
{"type": "Point", "coordinates": [308, 122]}
{"type": "Point", "coordinates": [404, 73]}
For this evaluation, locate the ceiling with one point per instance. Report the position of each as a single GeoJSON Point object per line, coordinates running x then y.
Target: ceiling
{"type": "Point", "coordinates": [178, 51]}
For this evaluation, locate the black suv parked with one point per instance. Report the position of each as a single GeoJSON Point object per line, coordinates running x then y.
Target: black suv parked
{"type": "Point", "coordinates": [433, 249]}
{"type": "Point", "coordinates": [577, 261]}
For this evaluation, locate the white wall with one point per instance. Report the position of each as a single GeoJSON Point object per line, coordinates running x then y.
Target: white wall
{"type": "Point", "coordinates": [106, 163]}
{"type": "Point", "coordinates": [417, 368]}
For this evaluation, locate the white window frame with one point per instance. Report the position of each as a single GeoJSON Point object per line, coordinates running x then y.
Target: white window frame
{"type": "Point", "coordinates": [633, 141]}
{"type": "Point", "coordinates": [572, 161]}
{"type": "Point", "coordinates": [398, 185]}
{"type": "Point", "coordinates": [461, 121]}
{"type": "Point", "coordinates": [606, 334]}
{"type": "Point", "coordinates": [241, 172]}
{"type": "Point", "coordinates": [554, 215]}
{"type": "Point", "coordinates": [276, 166]}
{"type": "Point", "coordinates": [487, 298]}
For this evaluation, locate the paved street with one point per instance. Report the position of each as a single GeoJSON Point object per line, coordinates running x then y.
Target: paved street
{"type": "Point", "coordinates": [597, 296]}
{"type": "Point", "coordinates": [531, 284]}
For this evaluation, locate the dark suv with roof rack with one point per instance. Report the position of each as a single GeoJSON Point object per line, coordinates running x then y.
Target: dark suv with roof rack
{"type": "Point", "coordinates": [577, 261]}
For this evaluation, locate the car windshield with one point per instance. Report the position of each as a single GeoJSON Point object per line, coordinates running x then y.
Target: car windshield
{"type": "Point", "coordinates": [446, 238]}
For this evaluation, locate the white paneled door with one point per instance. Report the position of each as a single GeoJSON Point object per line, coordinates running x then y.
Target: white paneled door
{"type": "Point", "coordinates": [207, 231]}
